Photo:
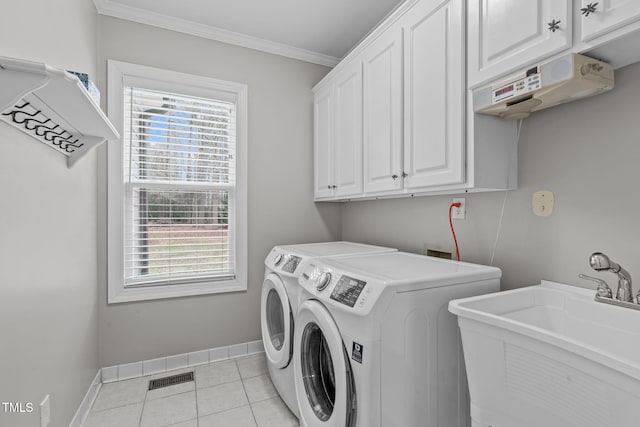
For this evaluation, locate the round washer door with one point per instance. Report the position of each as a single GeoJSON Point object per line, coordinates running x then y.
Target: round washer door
{"type": "Point", "coordinates": [322, 373]}
{"type": "Point", "coordinates": [276, 320]}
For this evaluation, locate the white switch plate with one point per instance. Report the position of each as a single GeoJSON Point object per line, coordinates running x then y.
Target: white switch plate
{"type": "Point", "coordinates": [459, 213]}
{"type": "Point", "coordinates": [45, 412]}
{"type": "Point", "coordinates": [542, 203]}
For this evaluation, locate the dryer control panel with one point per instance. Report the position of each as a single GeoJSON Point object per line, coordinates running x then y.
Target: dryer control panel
{"type": "Point", "coordinates": [347, 290]}
{"type": "Point", "coordinates": [356, 293]}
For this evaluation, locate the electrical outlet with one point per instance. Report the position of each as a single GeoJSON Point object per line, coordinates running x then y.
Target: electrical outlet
{"type": "Point", "coordinates": [459, 213]}
{"type": "Point", "coordinates": [45, 412]}
{"type": "Point", "coordinates": [542, 203]}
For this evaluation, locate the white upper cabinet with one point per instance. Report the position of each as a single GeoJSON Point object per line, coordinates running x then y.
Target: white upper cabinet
{"type": "Point", "coordinates": [347, 153]}
{"type": "Point", "coordinates": [434, 95]}
{"type": "Point", "coordinates": [338, 134]}
{"type": "Point", "coordinates": [323, 140]}
{"type": "Point", "coordinates": [506, 34]}
{"type": "Point", "coordinates": [396, 117]}
{"type": "Point", "coordinates": [382, 78]}
{"type": "Point", "coordinates": [601, 17]}
{"type": "Point", "coordinates": [391, 118]}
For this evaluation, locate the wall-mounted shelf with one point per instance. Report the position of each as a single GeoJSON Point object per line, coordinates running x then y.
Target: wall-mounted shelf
{"type": "Point", "coordinates": [53, 107]}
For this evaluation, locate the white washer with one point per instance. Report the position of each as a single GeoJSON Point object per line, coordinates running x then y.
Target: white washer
{"type": "Point", "coordinates": [376, 345]}
{"type": "Point", "coordinates": [279, 303]}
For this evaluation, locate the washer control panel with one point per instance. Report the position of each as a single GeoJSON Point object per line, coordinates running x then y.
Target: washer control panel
{"type": "Point", "coordinates": [347, 290]}
{"type": "Point", "coordinates": [323, 281]}
{"type": "Point", "coordinates": [340, 288]}
{"type": "Point", "coordinates": [291, 263]}
{"type": "Point", "coordinates": [278, 259]}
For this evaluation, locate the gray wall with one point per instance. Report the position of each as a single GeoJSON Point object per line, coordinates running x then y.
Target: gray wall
{"type": "Point", "coordinates": [281, 208]}
{"type": "Point", "coordinates": [48, 259]}
{"type": "Point", "coordinates": [586, 152]}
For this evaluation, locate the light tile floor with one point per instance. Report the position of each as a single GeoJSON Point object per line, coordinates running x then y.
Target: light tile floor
{"type": "Point", "coordinates": [231, 393]}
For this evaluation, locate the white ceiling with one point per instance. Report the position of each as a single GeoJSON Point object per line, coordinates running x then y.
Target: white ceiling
{"type": "Point", "coordinates": [315, 31]}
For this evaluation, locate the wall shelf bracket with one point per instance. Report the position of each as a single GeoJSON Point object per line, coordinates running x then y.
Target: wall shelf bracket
{"type": "Point", "coordinates": [52, 106]}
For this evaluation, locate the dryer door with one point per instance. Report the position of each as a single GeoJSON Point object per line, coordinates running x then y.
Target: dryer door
{"type": "Point", "coordinates": [324, 382]}
{"type": "Point", "coordinates": [277, 321]}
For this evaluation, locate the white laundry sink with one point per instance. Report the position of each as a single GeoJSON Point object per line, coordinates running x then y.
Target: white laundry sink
{"type": "Point", "coordinates": [549, 355]}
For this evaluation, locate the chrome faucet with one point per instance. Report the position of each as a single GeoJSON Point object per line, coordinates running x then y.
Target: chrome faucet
{"type": "Point", "coordinates": [600, 262]}
{"type": "Point", "coordinates": [603, 290]}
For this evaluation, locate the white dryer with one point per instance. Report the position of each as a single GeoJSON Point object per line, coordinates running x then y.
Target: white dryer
{"type": "Point", "coordinates": [374, 342]}
{"type": "Point", "coordinates": [280, 293]}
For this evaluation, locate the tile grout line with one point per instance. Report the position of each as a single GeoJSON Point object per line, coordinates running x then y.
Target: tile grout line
{"type": "Point", "coordinates": [144, 403]}
{"type": "Point", "coordinates": [217, 385]}
{"type": "Point", "coordinates": [195, 389]}
{"type": "Point", "coordinates": [255, 421]}
{"type": "Point", "coordinates": [266, 374]}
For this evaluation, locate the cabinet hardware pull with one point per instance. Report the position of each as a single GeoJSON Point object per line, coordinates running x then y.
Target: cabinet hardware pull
{"type": "Point", "coordinates": [554, 25]}
{"type": "Point", "coordinates": [334, 186]}
{"type": "Point", "coordinates": [591, 8]}
{"type": "Point", "coordinates": [329, 187]}
{"type": "Point", "coordinates": [394, 176]}
{"type": "Point", "coordinates": [404, 174]}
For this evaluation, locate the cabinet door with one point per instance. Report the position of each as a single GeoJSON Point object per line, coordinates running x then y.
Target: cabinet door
{"type": "Point", "coordinates": [434, 94]}
{"type": "Point", "coordinates": [382, 76]}
{"type": "Point", "coordinates": [347, 144]}
{"type": "Point", "coordinates": [506, 35]}
{"type": "Point", "coordinates": [322, 140]}
{"type": "Point", "coordinates": [598, 18]}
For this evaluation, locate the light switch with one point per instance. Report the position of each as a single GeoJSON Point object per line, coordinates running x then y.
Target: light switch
{"type": "Point", "coordinates": [542, 203]}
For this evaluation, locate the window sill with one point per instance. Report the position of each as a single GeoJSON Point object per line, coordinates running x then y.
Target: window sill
{"type": "Point", "coordinates": [120, 294]}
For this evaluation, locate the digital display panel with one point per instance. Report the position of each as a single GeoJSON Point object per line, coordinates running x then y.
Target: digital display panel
{"type": "Point", "coordinates": [291, 264]}
{"type": "Point", "coordinates": [504, 90]}
{"type": "Point", "coordinates": [347, 290]}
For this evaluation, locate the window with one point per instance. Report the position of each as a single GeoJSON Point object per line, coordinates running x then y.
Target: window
{"type": "Point", "coordinates": [177, 184]}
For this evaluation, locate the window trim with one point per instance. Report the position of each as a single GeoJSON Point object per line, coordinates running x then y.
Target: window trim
{"type": "Point", "coordinates": [187, 84]}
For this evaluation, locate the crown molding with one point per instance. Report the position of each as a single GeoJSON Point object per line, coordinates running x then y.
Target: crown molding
{"type": "Point", "coordinates": [116, 10]}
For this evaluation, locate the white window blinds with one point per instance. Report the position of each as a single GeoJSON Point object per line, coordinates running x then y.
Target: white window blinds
{"type": "Point", "coordinates": [179, 179]}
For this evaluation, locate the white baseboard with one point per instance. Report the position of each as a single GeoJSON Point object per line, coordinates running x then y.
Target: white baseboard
{"type": "Point", "coordinates": [87, 402]}
{"type": "Point", "coordinates": [179, 361]}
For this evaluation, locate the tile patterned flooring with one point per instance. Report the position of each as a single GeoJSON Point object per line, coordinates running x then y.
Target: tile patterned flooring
{"type": "Point", "coordinates": [231, 393]}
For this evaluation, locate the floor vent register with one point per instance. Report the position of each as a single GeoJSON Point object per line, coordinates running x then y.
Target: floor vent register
{"type": "Point", "coordinates": [172, 380]}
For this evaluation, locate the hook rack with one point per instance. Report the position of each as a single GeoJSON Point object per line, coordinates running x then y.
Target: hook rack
{"type": "Point", "coordinates": [53, 107]}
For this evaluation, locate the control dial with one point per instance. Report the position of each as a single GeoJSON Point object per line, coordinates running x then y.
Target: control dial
{"type": "Point", "coordinates": [323, 281]}
{"type": "Point", "coordinates": [278, 259]}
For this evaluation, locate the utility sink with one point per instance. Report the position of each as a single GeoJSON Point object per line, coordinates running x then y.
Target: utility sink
{"type": "Point", "coordinates": [549, 355]}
